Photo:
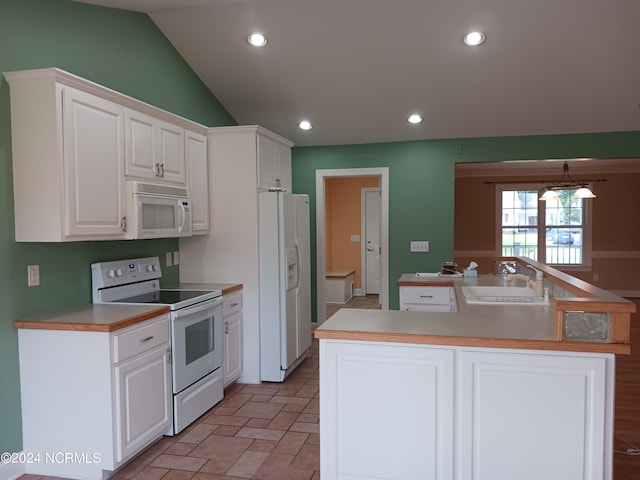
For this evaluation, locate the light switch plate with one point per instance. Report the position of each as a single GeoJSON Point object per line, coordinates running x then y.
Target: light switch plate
{"type": "Point", "coordinates": [33, 275]}
{"type": "Point", "coordinates": [168, 259]}
{"type": "Point", "coordinates": [422, 246]}
{"type": "Point", "coordinates": [176, 258]}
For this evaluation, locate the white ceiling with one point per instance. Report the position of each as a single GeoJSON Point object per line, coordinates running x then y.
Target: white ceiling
{"type": "Point", "coordinates": [357, 68]}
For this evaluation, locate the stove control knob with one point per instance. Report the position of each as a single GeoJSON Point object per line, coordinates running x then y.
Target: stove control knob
{"type": "Point", "coordinates": [151, 268]}
{"type": "Point", "coordinates": [111, 273]}
{"type": "Point", "coordinates": [119, 272]}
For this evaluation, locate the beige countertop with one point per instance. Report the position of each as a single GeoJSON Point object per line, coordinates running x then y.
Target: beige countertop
{"type": "Point", "coordinates": [93, 317]}
{"type": "Point", "coordinates": [111, 317]}
{"type": "Point", "coordinates": [501, 326]}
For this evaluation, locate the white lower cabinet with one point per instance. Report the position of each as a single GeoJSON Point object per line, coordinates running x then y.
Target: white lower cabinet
{"type": "Point", "coordinates": [232, 317]}
{"type": "Point", "coordinates": [428, 299]}
{"type": "Point", "coordinates": [386, 411]}
{"type": "Point", "coordinates": [97, 397]}
{"type": "Point", "coordinates": [534, 415]}
{"type": "Point", "coordinates": [143, 408]}
{"type": "Point", "coordinates": [407, 411]}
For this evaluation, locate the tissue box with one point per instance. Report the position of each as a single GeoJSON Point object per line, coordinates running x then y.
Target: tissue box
{"type": "Point", "coordinates": [470, 273]}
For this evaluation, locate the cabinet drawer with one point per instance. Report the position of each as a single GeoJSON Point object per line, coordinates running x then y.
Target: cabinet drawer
{"type": "Point", "coordinates": [426, 295]}
{"type": "Point", "coordinates": [231, 304]}
{"type": "Point", "coordinates": [140, 338]}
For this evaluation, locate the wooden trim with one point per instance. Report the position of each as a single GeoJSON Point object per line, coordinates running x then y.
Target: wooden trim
{"type": "Point", "coordinates": [615, 348]}
{"type": "Point", "coordinates": [425, 283]}
{"type": "Point", "coordinates": [620, 328]}
{"type": "Point", "coordinates": [234, 288]}
{"type": "Point", "coordinates": [89, 327]}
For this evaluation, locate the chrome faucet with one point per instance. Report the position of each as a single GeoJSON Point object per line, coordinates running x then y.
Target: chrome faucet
{"type": "Point", "coordinates": [536, 283]}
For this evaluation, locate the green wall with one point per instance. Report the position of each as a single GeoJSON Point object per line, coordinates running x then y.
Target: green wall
{"type": "Point", "coordinates": [125, 52]}
{"type": "Point", "coordinates": [421, 184]}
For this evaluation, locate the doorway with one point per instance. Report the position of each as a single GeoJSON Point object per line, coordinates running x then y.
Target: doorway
{"type": "Point", "coordinates": [321, 241]}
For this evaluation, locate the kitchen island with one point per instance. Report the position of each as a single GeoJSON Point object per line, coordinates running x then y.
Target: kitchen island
{"type": "Point", "coordinates": [488, 392]}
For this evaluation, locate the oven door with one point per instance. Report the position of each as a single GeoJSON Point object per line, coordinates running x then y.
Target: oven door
{"type": "Point", "coordinates": [196, 335]}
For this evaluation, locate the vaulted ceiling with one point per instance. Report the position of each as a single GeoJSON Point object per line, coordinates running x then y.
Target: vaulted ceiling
{"type": "Point", "coordinates": [356, 69]}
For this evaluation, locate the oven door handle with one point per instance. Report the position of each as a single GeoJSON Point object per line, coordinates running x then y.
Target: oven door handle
{"type": "Point", "coordinates": [198, 308]}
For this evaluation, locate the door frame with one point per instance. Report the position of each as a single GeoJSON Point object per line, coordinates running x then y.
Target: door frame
{"type": "Point", "coordinates": [363, 234]}
{"type": "Point", "coordinates": [321, 242]}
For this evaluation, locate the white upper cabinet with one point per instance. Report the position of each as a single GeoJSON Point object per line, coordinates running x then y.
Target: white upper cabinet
{"type": "Point", "coordinates": [68, 154]}
{"type": "Point", "coordinates": [155, 149]}
{"type": "Point", "coordinates": [198, 181]}
{"type": "Point", "coordinates": [75, 143]}
{"type": "Point", "coordinates": [274, 164]}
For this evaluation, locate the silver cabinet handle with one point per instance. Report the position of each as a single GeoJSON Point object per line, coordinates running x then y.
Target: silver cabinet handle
{"type": "Point", "coordinates": [146, 339]}
{"type": "Point", "coordinates": [234, 304]}
{"type": "Point", "coordinates": [426, 296]}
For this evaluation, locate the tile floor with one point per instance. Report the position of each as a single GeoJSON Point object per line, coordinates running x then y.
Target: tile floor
{"type": "Point", "coordinates": [268, 432]}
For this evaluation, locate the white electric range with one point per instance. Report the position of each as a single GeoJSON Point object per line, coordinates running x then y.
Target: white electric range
{"type": "Point", "coordinates": [196, 330]}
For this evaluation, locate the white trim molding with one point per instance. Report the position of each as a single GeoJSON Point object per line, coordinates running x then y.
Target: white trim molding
{"type": "Point", "coordinates": [11, 470]}
{"type": "Point", "coordinates": [321, 253]}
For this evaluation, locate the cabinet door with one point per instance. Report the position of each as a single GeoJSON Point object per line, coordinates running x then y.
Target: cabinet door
{"type": "Point", "coordinates": [143, 400]}
{"type": "Point", "coordinates": [154, 149]}
{"type": "Point", "coordinates": [171, 153]}
{"type": "Point", "coordinates": [515, 404]}
{"type": "Point", "coordinates": [406, 429]}
{"type": "Point", "coordinates": [198, 181]}
{"type": "Point", "coordinates": [233, 348]}
{"type": "Point", "coordinates": [93, 159]}
{"type": "Point", "coordinates": [274, 164]}
{"type": "Point", "coordinates": [141, 145]}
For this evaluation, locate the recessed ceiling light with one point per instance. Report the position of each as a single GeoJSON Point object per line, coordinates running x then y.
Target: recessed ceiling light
{"type": "Point", "coordinates": [305, 125]}
{"type": "Point", "coordinates": [257, 39]}
{"type": "Point", "coordinates": [474, 38]}
{"type": "Point", "coordinates": [415, 118]}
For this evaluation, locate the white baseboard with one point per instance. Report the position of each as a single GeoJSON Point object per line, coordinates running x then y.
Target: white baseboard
{"type": "Point", "coordinates": [11, 471]}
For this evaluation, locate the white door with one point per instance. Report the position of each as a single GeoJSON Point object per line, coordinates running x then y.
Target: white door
{"type": "Point", "coordinates": [303, 236]}
{"type": "Point", "coordinates": [371, 244]}
{"type": "Point", "coordinates": [289, 280]}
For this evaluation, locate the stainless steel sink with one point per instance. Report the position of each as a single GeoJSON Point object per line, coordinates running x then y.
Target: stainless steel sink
{"type": "Point", "coordinates": [500, 295]}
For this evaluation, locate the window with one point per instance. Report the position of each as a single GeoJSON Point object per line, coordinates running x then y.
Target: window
{"type": "Point", "coordinates": [553, 232]}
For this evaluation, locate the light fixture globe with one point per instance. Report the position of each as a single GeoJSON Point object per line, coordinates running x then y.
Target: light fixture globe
{"type": "Point", "coordinates": [584, 192]}
{"type": "Point", "coordinates": [549, 195]}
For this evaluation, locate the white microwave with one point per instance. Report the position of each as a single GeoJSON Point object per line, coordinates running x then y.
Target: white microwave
{"type": "Point", "coordinates": [157, 211]}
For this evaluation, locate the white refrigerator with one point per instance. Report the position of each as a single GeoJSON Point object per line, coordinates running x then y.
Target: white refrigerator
{"type": "Point", "coordinates": [285, 283]}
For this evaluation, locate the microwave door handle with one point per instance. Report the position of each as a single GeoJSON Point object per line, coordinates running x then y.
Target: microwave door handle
{"type": "Point", "coordinates": [183, 216]}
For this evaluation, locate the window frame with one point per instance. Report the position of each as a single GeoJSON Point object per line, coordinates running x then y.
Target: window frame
{"type": "Point", "coordinates": [587, 256]}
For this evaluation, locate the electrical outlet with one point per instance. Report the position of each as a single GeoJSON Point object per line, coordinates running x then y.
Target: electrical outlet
{"type": "Point", "coordinates": [422, 246]}
{"type": "Point", "coordinates": [33, 275]}
{"type": "Point", "coordinates": [168, 259]}
{"type": "Point", "coordinates": [176, 258]}
{"type": "Point", "coordinates": [596, 277]}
